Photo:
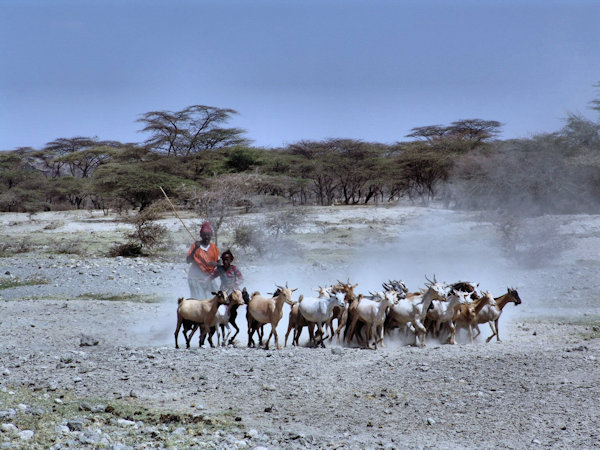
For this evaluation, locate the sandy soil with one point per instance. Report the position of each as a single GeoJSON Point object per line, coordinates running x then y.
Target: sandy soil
{"type": "Point", "coordinates": [538, 387]}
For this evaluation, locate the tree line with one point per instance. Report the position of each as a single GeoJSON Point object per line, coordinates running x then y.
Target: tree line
{"type": "Point", "coordinates": [205, 165]}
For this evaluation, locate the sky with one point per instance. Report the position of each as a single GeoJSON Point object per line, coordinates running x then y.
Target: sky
{"type": "Point", "coordinates": [295, 69]}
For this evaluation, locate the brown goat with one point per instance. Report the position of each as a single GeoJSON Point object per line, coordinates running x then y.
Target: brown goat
{"type": "Point", "coordinates": [265, 310]}
{"type": "Point", "coordinates": [200, 313]}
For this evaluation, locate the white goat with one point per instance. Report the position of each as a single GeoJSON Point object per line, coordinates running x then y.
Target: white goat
{"type": "Point", "coordinates": [443, 312]}
{"type": "Point", "coordinates": [235, 299]}
{"type": "Point", "coordinates": [373, 313]}
{"type": "Point", "coordinates": [320, 310]}
{"type": "Point", "coordinates": [411, 311]}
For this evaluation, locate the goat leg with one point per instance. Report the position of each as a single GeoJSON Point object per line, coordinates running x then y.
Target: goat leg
{"type": "Point", "coordinates": [494, 331]}
{"type": "Point", "coordinates": [320, 330]}
{"type": "Point", "coordinates": [237, 330]}
{"type": "Point", "coordinates": [177, 330]}
{"type": "Point", "coordinates": [289, 330]}
{"type": "Point", "coordinates": [297, 333]}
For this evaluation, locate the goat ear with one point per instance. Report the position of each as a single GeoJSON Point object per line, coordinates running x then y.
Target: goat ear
{"type": "Point", "coordinates": [293, 290]}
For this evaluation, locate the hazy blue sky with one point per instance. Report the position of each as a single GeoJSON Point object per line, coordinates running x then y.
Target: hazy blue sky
{"type": "Point", "coordinates": [305, 69]}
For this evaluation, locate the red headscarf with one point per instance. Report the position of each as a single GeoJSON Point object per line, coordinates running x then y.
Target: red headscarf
{"type": "Point", "coordinates": [206, 228]}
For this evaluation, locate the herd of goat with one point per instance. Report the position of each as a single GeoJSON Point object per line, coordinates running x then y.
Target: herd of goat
{"type": "Point", "coordinates": [438, 310]}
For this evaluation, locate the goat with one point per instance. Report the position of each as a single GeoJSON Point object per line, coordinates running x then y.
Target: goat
{"type": "Point", "coordinates": [223, 317]}
{"type": "Point", "coordinates": [296, 322]}
{"type": "Point", "coordinates": [319, 311]}
{"type": "Point", "coordinates": [411, 311]}
{"type": "Point", "coordinates": [466, 315]}
{"type": "Point", "coordinates": [397, 286]}
{"type": "Point", "coordinates": [372, 313]}
{"type": "Point", "coordinates": [491, 313]}
{"type": "Point", "coordinates": [351, 300]}
{"type": "Point", "coordinates": [233, 315]}
{"type": "Point", "coordinates": [263, 310]}
{"type": "Point", "coordinates": [443, 312]}
{"type": "Point", "coordinates": [199, 312]}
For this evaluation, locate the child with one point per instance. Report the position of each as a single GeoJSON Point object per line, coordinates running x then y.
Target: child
{"type": "Point", "coordinates": [230, 275]}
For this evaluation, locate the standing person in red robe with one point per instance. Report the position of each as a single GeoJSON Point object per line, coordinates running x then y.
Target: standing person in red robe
{"type": "Point", "coordinates": [203, 257]}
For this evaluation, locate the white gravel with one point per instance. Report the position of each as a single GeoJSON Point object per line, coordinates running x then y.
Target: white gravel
{"type": "Point", "coordinates": [540, 387]}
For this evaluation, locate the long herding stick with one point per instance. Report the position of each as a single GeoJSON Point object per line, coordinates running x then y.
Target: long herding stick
{"type": "Point", "coordinates": [175, 211]}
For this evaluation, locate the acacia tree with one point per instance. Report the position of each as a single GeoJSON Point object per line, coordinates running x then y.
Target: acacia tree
{"type": "Point", "coordinates": [83, 163]}
{"type": "Point", "coordinates": [191, 130]}
{"type": "Point", "coordinates": [132, 183]}
{"type": "Point", "coordinates": [421, 171]}
{"type": "Point", "coordinates": [464, 134]}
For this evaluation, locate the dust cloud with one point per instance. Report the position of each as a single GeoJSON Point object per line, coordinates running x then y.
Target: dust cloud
{"type": "Point", "coordinates": [444, 244]}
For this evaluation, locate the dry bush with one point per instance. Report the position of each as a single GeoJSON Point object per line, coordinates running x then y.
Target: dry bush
{"type": "Point", "coordinates": [128, 249]}
{"type": "Point", "coordinates": [222, 196]}
{"type": "Point", "coordinates": [284, 222]}
{"type": "Point", "coordinates": [530, 243]}
{"type": "Point", "coordinates": [146, 234]}
{"type": "Point", "coordinates": [10, 247]}
{"type": "Point", "coordinates": [249, 238]}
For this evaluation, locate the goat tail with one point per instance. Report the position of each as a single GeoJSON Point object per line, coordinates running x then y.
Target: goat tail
{"type": "Point", "coordinates": [179, 300]}
{"type": "Point", "coordinates": [300, 298]}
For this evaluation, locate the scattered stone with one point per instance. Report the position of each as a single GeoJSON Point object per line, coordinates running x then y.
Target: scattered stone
{"type": "Point", "coordinates": [337, 351]}
{"type": "Point", "coordinates": [535, 441]}
{"type": "Point", "coordinates": [75, 425]}
{"type": "Point", "coordinates": [8, 428]}
{"type": "Point", "coordinates": [89, 437]}
{"type": "Point", "coordinates": [88, 341]}
{"type": "Point", "coordinates": [125, 422]}
{"type": "Point", "coordinates": [100, 408]}
{"type": "Point", "coordinates": [85, 406]}
{"type": "Point", "coordinates": [430, 421]}
{"type": "Point", "coordinates": [62, 429]}
{"type": "Point", "coordinates": [26, 435]}
{"type": "Point", "coordinates": [7, 413]}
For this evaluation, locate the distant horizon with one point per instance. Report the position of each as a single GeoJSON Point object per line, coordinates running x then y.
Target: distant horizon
{"type": "Point", "coordinates": [298, 70]}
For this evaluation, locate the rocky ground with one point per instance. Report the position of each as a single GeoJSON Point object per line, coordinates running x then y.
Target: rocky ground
{"type": "Point", "coordinates": [88, 360]}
